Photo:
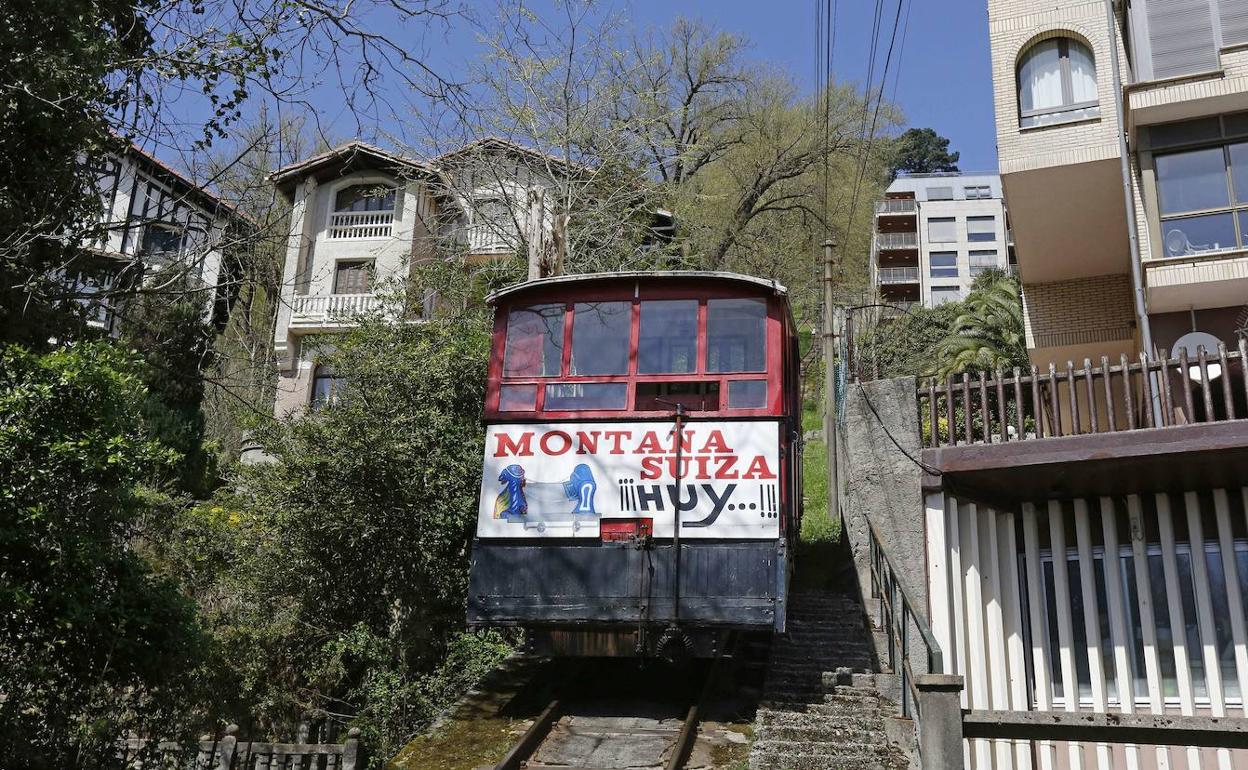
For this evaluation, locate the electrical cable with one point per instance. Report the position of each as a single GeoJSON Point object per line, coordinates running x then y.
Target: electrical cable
{"type": "Point", "coordinates": [929, 469]}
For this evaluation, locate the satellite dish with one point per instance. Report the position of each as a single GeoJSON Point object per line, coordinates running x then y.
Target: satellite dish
{"type": "Point", "coordinates": [1193, 342]}
{"type": "Point", "coordinates": [1176, 243]}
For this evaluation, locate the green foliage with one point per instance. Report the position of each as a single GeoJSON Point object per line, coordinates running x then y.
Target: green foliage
{"type": "Point", "coordinates": [334, 577]}
{"type": "Point", "coordinates": [922, 151]}
{"type": "Point", "coordinates": [906, 346]}
{"type": "Point", "coordinates": [175, 340]}
{"type": "Point", "coordinates": [988, 333]}
{"type": "Point", "coordinates": [91, 642]}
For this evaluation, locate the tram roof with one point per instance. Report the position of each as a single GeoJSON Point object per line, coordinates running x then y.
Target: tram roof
{"type": "Point", "coordinates": [630, 275]}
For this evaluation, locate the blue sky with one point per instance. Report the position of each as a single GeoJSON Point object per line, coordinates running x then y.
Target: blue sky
{"type": "Point", "coordinates": [945, 79]}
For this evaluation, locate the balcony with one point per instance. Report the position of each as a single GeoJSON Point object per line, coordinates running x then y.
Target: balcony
{"type": "Point", "coordinates": [1124, 427]}
{"type": "Point", "coordinates": [330, 311]}
{"type": "Point", "coordinates": [361, 224]}
{"type": "Point", "coordinates": [897, 241]}
{"type": "Point", "coordinates": [488, 239]}
{"type": "Point", "coordinates": [894, 275]}
{"type": "Point", "coordinates": [896, 207]}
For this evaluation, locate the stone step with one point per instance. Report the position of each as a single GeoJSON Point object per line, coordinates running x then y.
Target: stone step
{"type": "Point", "coordinates": [880, 748]}
{"type": "Point", "coordinates": [776, 760]}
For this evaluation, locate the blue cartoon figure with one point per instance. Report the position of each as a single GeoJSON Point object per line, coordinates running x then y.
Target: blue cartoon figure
{"type": "Point", "coordinates": [521, 500]}
{"type": "Point", "coordinates": [511, 503]}
{"type": "Point", "coordinates": [581, 487]}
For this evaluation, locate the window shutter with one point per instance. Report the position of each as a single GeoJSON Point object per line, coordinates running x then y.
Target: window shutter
{"type": "Point", "coordinates": [1181, 35]}
{"type": "Point", "coordinates": [1234, 16]}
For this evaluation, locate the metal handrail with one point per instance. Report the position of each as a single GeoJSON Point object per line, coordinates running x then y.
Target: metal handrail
{"type": "Point", "coordinates": [897, 609]}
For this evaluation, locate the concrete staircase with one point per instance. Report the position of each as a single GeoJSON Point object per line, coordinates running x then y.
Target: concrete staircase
{"type": "Point", "coordinates": [826, 703]}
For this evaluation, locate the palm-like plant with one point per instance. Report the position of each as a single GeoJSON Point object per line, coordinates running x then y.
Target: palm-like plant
{"type": "Point", "coordinates": [988, 334]}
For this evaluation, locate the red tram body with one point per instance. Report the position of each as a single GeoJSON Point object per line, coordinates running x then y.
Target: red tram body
{"type": "Point", "coordinates": [578, 536]}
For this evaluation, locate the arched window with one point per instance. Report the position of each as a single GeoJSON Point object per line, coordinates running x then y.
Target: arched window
{"type": "Point", "coordinates": [365, 197]}
{"type": "Point", "coordinates": [1056, 83]}
{"type": "Point", "coordinates": [326, 387]}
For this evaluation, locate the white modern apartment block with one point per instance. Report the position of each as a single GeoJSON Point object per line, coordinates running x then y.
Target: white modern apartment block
{"type": "Point", "coordinates": [156, 219]}
{"type": "Point", "coordinates": [934, 233]}
{"type": "Point", "coordinates": [364, 219]}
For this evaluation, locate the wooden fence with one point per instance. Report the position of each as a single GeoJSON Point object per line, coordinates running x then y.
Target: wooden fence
{"type": "Point", "coordinates": [229, 753]}
{"type": "Point", "coordinates": [1000, 407]}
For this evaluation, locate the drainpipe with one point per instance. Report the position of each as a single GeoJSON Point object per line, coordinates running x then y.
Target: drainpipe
{"type": "Point", "coordinates": [1137, 266]}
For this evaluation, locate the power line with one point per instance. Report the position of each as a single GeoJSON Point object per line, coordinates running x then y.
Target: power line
{"type": "Point", "coordinates": [865, 156]}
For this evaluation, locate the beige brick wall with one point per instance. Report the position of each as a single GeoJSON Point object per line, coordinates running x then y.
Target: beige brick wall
{"type": "Point", "coordinates": [1014, 25]}
{"type": "Point", "coordinates": [1065, 313]}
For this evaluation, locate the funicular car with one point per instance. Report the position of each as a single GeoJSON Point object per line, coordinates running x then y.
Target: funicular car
{"type": "Point", "coordinates": [592, 379]}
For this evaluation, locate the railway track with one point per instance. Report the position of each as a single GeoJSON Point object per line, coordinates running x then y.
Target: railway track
{"type": "Point", "coordinates": [612, 716]}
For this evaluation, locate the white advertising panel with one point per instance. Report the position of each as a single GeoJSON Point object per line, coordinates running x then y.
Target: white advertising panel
{"type": "Point", "coordinates": [564, 479]}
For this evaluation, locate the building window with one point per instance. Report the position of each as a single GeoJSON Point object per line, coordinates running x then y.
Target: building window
{"type": "Point", "coordinates": [942, 230]}
{"type": "Point", "coordinates": [980, 229]}
{"type": "Point", "coordinates": [1203, 199]}
{"type": "Point", "coordinates": [161, 240]}
{"type": "Point", "coordinates": [944, 264]}
{"type": "Point", "coordinates": [940, 193]}
{"type": "Point", "coordinates": [326, 387]}
{"type": "Point", "coordinates": [943, 294]}
{"type": "Point", "coordinates": [978, 192]}
{"type": "Point", "coordinates": [363, 211]}
{"type": "Point", "coordinates": [1056, 83]}
{"type": "Point", "coordinates": [984, 259]}
{"type": "Point", "coordinates": [353, 276]}
{"type": "Point", "coordinates": [365, 197]}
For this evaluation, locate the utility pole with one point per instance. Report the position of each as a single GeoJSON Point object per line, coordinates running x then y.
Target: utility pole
{"type": "Point", "coordinates": [829, 376]}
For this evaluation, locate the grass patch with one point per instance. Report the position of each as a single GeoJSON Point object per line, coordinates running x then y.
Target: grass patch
{"type": "Point", "coordinates": [816, 562]}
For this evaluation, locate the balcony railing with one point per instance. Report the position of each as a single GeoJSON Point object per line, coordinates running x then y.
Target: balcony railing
{"type": "Point", "coordinates": [488, 239]}
{"type": "Point", "coordinates": [896, 206]}
{"type": "Point", "coordinates": [997, 407]}
{"type": "Point", "coordinates": [329, 307]}
{"type": "Point", "coordinates": [899, 275]}
{"type": "Point", "coordinates": [896, 241]}
{"type": "Point", "coordinates": [361, 224]}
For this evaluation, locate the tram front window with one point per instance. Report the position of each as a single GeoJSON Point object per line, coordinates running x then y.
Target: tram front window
{"type": "Point", "coordinates": [578, 396]}
{"type": "Point", "coordinates": [600, 338]}
{"type": "Point", "coordinates": [668, 338]}
{"type": "Point", "coordinates": [534, 341]}
{"type": "Point", "coordinates": [736, 336]}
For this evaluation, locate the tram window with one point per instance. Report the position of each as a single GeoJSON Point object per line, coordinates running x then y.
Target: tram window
{"type": "Point", "coordinates": [736, 335]}
{"type": "Point", "coordinates": [600, 332]}
{"type": "Point", "coordinates": [517, 398]}
{"type": "Point", "coordinates": [577, 396]}
{"type": "Point", "coordinates": [668, 339]}
{"type": "Point", "coordinates": [534, 341]}
{"type": "Point", "coordinates": [747, 394]}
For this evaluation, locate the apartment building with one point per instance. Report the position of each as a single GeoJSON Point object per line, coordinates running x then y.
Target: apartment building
{"type": "Point", "coordinates": [363, 220]}
{"type": "Point", "coordinates": [934, 233]}
{"type": "Point", "coordinates": [1085, 526]}
{"type": "Point", "coordinates": [158, 220]}
{"type": "Point", "coordinates": [1181, 68]}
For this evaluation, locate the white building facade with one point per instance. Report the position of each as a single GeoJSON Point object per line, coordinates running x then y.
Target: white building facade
{"type": "Point", "coordinates": [934, 234]}
{"type": "Point", "coordinates": [156, 220]}
{"type": "Point", "coordinates": [362, 222]}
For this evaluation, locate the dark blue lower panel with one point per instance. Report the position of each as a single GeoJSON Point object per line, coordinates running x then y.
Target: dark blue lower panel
{"type": "Point", "coordinates": [734, 584]}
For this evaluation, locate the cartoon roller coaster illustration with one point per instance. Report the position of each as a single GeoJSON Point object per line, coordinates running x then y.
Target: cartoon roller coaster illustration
{"type": "Point", "coordinates": [542, 503]}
